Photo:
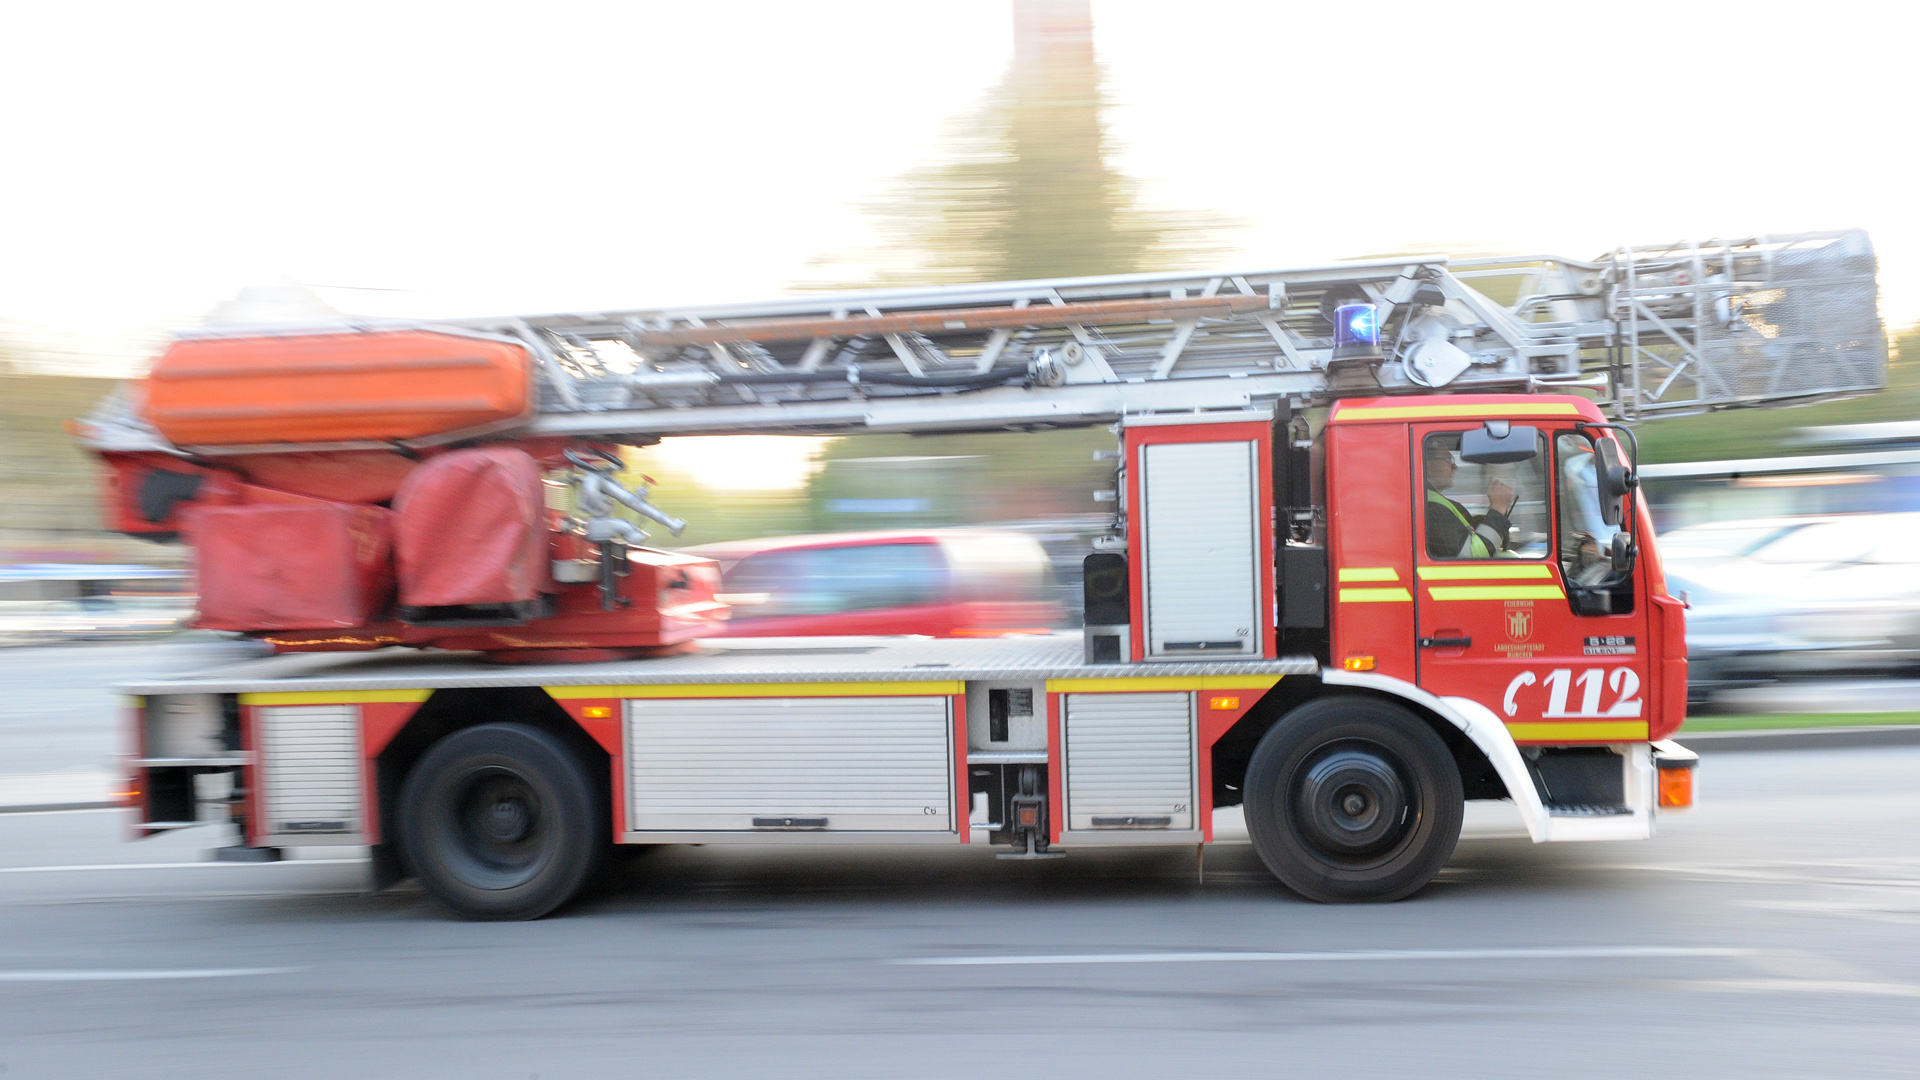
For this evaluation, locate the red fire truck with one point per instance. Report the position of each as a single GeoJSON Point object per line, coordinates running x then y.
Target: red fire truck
{"type": "Point", "coordinates": [1376, 551]}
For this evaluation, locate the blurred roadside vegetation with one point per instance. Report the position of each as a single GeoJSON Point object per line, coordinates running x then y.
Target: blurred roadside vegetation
{"type": "Point", "coordinates": [1794, 721]}
{"type": "Point", "coordinates": [47, 485]}
{"type": "Point", "coordinates": [1747, 433]}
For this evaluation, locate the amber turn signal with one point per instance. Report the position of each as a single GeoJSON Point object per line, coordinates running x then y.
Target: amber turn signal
{"type": "Point", "coordinates": [1358, 663]}
{"type": "Point", "coordinates": [1676, 788]}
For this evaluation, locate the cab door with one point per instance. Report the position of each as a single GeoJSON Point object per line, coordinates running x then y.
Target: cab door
{"type": "Point", "coordinates": [1524, 620]}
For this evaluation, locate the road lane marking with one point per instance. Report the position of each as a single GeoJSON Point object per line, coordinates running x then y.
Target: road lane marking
{"type": "Point", "coordinates": [1807, 986]}
{"type": "Point", "coordinates": [139, 975]}
{"type": "Point", "coordinates": [1576, 952]}
{"type": "Point", "coordinates": [170, 866]}
{"type": "Point", "coordinates": [61, 808]}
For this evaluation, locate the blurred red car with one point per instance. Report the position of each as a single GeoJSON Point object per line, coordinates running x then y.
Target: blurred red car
{"type": "Point", "coordinates": [937, 582]}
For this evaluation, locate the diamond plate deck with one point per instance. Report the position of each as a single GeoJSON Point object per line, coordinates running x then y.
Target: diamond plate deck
{"type": "Point", "coordinates": [755, 660]}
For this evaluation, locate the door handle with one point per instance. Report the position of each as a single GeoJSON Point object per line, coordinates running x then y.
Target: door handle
{"type": "Point", "coordinates": [1445, 642]}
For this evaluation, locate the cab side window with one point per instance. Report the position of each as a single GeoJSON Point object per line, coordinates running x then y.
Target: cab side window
{"type": "Point", "coordinates": [1584, 537]}
{"type": "Point", "coordinates": [1594, 585]}
{"type": "Point", "coordinates": [1483, 511]}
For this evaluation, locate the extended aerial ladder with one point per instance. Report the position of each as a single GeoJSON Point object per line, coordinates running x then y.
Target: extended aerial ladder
{"type": "Point", "coordinates": [1644, 330]}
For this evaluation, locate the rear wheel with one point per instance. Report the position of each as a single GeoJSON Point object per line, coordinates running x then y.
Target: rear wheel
{"type": "Point", "coordinates": [1351, 799]}
{"type": "Point", "coordinates": [498, 821]}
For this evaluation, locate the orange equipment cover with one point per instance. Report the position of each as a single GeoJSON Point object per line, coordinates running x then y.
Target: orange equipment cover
{"type": "Point", "coordinates": [471, 529]}
{"type": "Point", "coordinates": [397, 384]}
{"type": "Point", "coordinates": [304, 566]}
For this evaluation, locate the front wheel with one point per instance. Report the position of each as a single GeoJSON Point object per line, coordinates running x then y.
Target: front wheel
{"type": "Point", "coordinates": [498, 822]}
{"type": "Point", "coordinates": [1352, 799]}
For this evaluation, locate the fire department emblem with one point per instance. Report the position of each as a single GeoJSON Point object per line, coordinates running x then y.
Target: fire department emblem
{"type": "Point", "coordinates": [1519, 623]}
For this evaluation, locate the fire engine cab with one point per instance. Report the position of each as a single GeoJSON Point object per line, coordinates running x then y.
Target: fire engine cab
{"type": "Point", "coordinates": [1377, 550]}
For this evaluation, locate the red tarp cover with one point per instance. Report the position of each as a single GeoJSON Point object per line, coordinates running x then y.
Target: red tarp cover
{"type": "Point", "coordinates": [312, 566]}
{"type": "Point", "coordinates": [471, 529]}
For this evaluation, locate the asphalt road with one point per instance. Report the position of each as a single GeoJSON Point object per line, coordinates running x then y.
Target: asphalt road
{"type": "Point", "coordinates": [1770, 932]}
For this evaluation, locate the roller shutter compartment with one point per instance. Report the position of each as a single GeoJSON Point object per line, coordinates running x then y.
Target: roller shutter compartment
{"type": "Point", "coordinates": [1202, 549]}
{"type": "Point", "coordinates": [1129, 762]}
{"type": "Point", "coordinates": [853, 764]}
{"type": "Point", "coordinates": [310, 771]}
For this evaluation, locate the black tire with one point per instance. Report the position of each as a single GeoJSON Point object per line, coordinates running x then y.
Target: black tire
{"type": "Point", "coordinates": [1353, 799]}
{"type": "Point", "coordinates": [499, 822]}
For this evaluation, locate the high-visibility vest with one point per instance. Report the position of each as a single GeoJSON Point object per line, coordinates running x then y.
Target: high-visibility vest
{"type": "Point", "coordinates": [1477, 544]}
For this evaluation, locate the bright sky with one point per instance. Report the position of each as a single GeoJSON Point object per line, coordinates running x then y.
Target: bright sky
{"type": "Point", "coordinates": [533, 157]}
{"type": "Point", "coordinates": [738, 462]}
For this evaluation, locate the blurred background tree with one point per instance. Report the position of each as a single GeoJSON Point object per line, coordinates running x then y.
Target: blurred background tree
{"type": "Point", "coordinates": [1028, 188]}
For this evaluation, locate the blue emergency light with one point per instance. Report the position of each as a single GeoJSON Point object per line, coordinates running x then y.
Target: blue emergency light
{"type": "Point", "coordinates": [1356, 332]}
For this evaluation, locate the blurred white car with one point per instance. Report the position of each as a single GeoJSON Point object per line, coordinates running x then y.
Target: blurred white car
{"type": "Point", "coordinates": [1798, 595]}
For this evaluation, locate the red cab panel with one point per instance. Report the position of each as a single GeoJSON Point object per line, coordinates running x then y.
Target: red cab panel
{"type": "Point", "coordinates": [1369, 548]}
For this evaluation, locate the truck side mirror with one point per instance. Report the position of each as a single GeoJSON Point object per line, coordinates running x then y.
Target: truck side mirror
{"type": "Point", "coordinates": [1499, 443]}
{"type": "Point", "coordinates": [1622, 552]}
{"type": "Point", "coordinates": [1615, 480]}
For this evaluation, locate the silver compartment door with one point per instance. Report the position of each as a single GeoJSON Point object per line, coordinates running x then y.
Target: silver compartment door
{"type": "Point", "coordinates": [863, 764]}
{"type": "Point", "coordinates": [309, 769]}
{"type": "Point", "coordinates": [1202, 549]}
{"type": "Point", "coordinates": [1130, 756]}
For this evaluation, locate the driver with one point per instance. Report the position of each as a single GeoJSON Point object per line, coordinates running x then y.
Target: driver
{"type": "Point", "coordinates": [1452, 532]}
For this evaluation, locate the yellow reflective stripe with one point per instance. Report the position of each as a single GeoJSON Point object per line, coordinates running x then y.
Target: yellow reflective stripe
{"type": "Point", "coordinates": [1481, 549]}
{"type": "Point", "coordinates": [755, 690]}
{"type": "Point", "coordinates": [1606, 731]}
{"type": "Point", "coordinates": [1451, 412]}
{"type": "Point", "coordinates": [1469, 573]}
{"type": "Point", "coordinates": [1496, 592]}
{"type": "Point", "coordinates": [1375, 596]}
{"type": "Point", "coordinates": [335, 697]}
{"type": "Point", "coordinates": [1369, 573]}
{"type": "Point", "coordinates": [1163, 682]}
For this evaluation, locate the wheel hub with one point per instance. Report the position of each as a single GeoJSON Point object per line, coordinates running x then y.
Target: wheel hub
{"type": "Point", "coordinates": [1351, 802]}
{"type": "Point", "coordinates": [507, 821]}
{"type": "Point", "coordinates": [500, 824]}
